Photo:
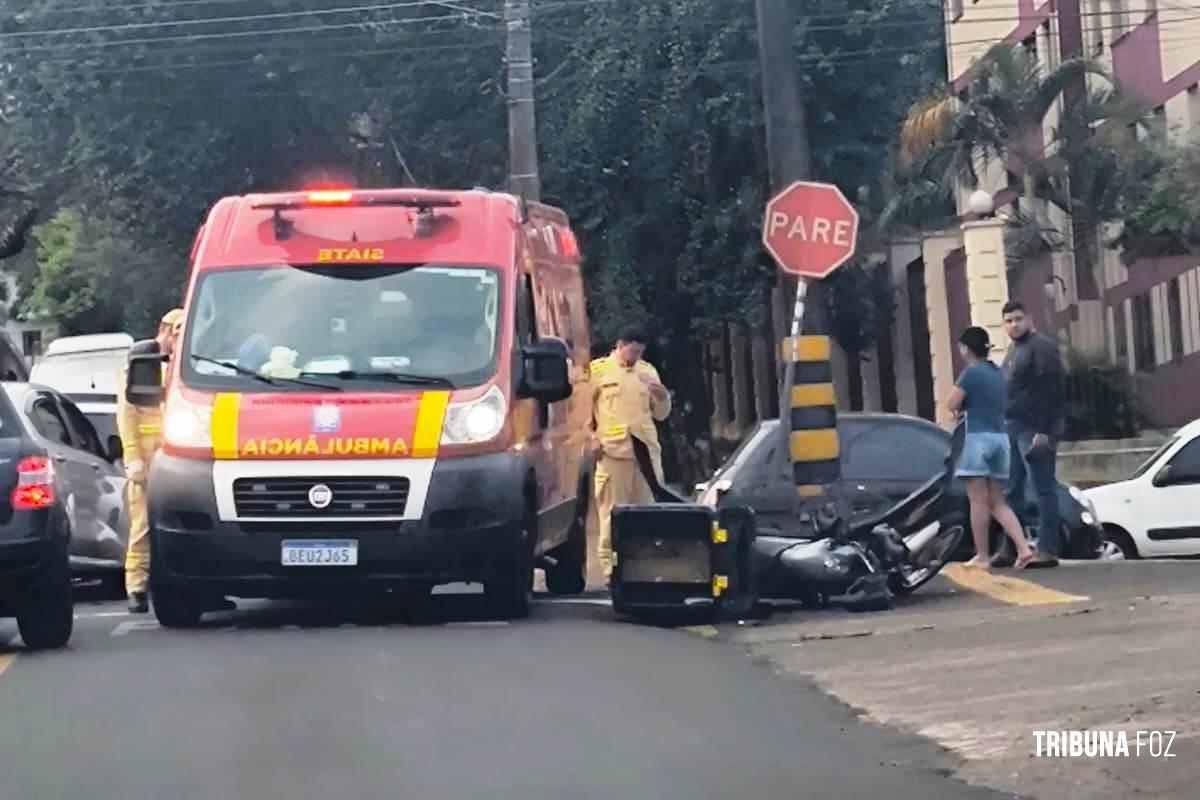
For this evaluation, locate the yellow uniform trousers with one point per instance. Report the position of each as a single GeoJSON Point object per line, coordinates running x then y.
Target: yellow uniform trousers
{"type": "Point", "coordinates": [137, 552]}
{"type": "Point", "coordinates": [618, 482]}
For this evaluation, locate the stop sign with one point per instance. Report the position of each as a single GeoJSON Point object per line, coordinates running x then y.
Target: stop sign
{"type": "Point", "coordinates": [810, 229]}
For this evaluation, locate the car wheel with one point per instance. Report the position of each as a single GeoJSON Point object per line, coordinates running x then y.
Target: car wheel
{"type": "Point", "coordinates": [1117, 545]}
{"type": "Point", "coordinates": [510, 593]}
{"type": "Point", "coordinates": [173, 608]}
{"type": "Point", "coordinates": [47, 623]}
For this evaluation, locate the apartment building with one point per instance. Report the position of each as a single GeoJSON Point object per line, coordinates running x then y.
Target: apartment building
{"type": "Point", "coordinates": [1144, 315]}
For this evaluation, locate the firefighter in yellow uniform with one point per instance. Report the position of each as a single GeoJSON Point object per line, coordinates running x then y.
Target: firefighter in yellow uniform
{"type": "Point", "coordinates": [627, 399]}
{"type": "Point", "coordinates": [140, 428]}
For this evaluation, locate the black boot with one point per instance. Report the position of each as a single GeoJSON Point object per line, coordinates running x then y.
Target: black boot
{"type": "Point", "coordinates": [138, 603]}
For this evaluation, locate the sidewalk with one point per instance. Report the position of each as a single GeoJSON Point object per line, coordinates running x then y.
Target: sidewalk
{"type": "Point", "coordinates": [1100, 646]}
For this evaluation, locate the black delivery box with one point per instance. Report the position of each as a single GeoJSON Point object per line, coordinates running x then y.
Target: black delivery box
{"type": "Point", "coordinates": [681, 557]}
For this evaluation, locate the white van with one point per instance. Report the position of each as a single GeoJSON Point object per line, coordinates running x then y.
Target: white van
{"type": "Point", "coordinates": [84, 368]}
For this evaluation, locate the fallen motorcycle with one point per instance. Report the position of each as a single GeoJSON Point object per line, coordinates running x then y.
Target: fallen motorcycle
{"type": "Point", "coordinates": [665, 557]}
{"type": "Point", "coordinates": [864, 563]}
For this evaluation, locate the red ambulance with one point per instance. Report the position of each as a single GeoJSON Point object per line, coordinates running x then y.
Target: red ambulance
{"type": "Point", "coordinates": [372, 390]}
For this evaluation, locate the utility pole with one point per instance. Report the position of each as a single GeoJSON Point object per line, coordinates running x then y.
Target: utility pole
{"type": "Point", "coordinates": [522, 122]}
{"type": "Point", "coordinates": [806, 357]}
{"type": "Point", "coordinates": [787, 144]}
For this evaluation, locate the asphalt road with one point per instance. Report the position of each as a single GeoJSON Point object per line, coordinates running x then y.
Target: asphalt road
{"type": "Point", "coordinates": [1090, 646]}
{"type": "Point", "coordinates": [287, 702]}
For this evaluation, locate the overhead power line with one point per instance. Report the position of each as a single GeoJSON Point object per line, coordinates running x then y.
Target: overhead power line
{"type": "Point", "coordinates": [278, 15]}
{"type": "Point", "coordinates": [346, 40]}
{"type": "Point", "coordinates": [115, 8]}
{"type": "Point", "coordinates": [238, 34]}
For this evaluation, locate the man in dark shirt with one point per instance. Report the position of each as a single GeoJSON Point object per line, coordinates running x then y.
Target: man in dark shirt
{"type": "Point", "coordinates": [1035, 417]}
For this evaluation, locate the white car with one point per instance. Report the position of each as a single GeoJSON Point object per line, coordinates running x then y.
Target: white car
{"type": "Point", "coordinates": [85, 368]}
{"type": "Point", "coordinates": [1156, 511]}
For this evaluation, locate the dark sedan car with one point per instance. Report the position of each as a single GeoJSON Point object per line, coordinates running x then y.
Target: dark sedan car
{"type": "Point", "coordinates": [90, 482]}
{"type": "Point", "coordinates": [884, 458]}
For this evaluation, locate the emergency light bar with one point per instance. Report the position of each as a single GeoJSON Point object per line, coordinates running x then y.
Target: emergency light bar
{"type": "Point", "coordinates": [344, 198]}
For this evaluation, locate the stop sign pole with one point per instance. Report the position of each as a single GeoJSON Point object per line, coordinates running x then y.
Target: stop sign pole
{"type": "Point", "coordinates": [810, 229]}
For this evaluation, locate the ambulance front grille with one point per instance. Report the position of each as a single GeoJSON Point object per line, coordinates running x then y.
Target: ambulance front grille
{"type": "Point", "coordinates": [288, 498]}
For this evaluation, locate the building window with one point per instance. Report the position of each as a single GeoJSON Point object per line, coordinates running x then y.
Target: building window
{"type": "Point", "coordinates": [1143, 333]}
{"type": "Point", "coordinates": [1120, 334]}
{"type": "Point", "coordinates": [1175, 318]}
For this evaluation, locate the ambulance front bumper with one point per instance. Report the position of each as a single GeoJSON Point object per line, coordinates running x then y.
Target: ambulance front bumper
{"type": "Point", "coordinates": [461, 516]}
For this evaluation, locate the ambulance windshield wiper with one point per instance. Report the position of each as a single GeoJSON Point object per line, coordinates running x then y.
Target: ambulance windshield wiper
{"type": "Point", "coordinates": [273, 381]}
{"type": "Point", "coordinates": [395, 377]}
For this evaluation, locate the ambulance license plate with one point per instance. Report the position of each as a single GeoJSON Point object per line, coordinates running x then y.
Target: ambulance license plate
{"type": "Point", "coordinates": [319, 553]}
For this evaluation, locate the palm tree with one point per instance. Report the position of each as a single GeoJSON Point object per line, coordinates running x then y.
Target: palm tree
{"type": "Point", "coordinates": [946, 140]}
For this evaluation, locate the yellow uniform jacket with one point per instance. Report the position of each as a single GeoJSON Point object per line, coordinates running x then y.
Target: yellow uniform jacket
{"type": "Point", "coordinates": [624, 406]}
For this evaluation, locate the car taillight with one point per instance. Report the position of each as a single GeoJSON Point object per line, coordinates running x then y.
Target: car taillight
{"type": "Point", "coordinates": [35, 484]}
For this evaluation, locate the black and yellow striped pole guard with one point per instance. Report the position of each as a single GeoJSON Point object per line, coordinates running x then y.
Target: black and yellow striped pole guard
{"type": "Point", "coordinates": [812, 414]}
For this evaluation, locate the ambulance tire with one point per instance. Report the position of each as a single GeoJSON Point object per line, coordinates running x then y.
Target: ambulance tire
{"type": "Point", "coordinates": [509, 594]}
{"type": "Point", "coordinates": [569, 575]}
{"type": "Point", "coordinates": [173, 608]}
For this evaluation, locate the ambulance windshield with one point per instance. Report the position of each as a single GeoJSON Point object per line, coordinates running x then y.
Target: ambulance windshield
{"type": "Point", "coordinates": [343, 324]}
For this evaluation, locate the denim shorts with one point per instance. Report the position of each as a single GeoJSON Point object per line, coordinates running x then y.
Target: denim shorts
{"type": "Point", "coordinates": [985, 455]}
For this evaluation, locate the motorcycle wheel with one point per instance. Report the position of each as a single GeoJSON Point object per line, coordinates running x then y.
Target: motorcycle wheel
{"type": "Point", "coordinates": [910, 577]}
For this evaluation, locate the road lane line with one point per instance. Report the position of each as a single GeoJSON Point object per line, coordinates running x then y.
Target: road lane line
{"type": "Point", "coordinates": [6, 661]}
{"type": "Point", "coordinates": [140, 625]}
{"type": "Point", "coordinates": [1006, 588]}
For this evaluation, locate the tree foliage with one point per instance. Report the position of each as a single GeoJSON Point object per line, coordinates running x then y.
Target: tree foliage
{"type": "Point", "coordinates": [136, 117]}
{"type": "Point", "coordinates": [1160, 211]}
{"type": "Point", "coordinates": [1112, 175]}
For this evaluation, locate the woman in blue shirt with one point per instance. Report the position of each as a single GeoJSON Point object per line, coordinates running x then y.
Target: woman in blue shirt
{"type": "Point", "coordinates": [979, 396]}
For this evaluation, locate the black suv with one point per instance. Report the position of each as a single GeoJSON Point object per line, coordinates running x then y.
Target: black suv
{"type": "Point", "coordinates": [35, 534]}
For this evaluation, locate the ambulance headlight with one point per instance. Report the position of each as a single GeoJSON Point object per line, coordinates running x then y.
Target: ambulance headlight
{"type": "Point", "coordinates": [187, 425]}
{"type": "Point", "coordinates": [476, 421]}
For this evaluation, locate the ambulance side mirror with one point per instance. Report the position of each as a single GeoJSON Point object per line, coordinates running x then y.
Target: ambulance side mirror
{"type": "Point", "coordinates": [143, 382]}
{"type": "Point", "coordinates": [545, 374]}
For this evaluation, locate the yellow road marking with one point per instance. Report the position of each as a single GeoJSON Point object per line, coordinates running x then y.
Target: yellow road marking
{"type": "Point", "coordinates": [707, 631]}
{"type": "Point", "coordinates": [1007, 589]}
{"type": "Point", "coordinates": [6, 661]}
